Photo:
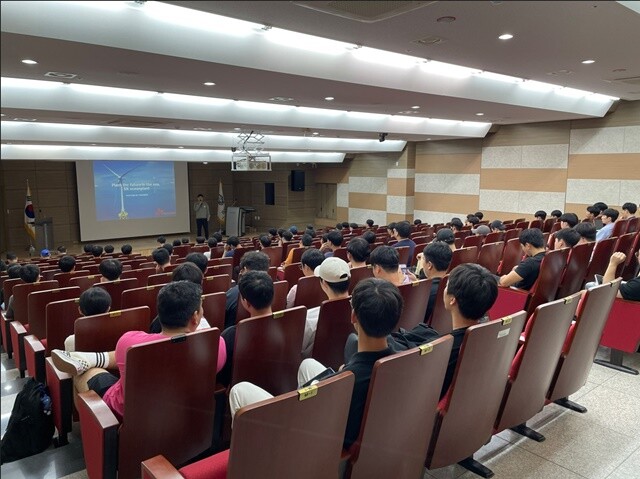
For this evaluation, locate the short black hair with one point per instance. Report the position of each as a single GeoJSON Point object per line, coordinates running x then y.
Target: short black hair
{"type": "Point", "coordinates": [533, 236]}
{"type": "Point", "coordinates": [335, 237]}
{"type": "Point", "coordinates": [311, 232]}
{"type": "Point", "coordinates": [185, 240]}
{"type": "Point", "coordinates": [177, 302]}
{"type": "Point", "coordinates": [109, 249]}
{"type": "Point", "coordinates": [272, 231]}
{"type": "Point", "coordinates": [369, 237]}
{"type": "Point", "coordinates": [556, 213]}
{"type": "Point", "coordinates": [611, 213]}
{"type": "Point", "coordinates": [233, 241]}
{"type": "Point", "coordinates": [87, 248]}
{"type": "Point", "coordinates": [212, 242]}
{"type": "Point", "coordinates": [199, 259]}
{"type": "Point", "coordinates": [160, 256]}
{"type": "Point", "coordinates": [353, 225]}
{"type": "Point", "coordinates": [126, 249]}
{"type": "Point", "coordinates": [62, 249]}
{"type": "Point", "coordinates": [569, 236]}
{"type": "Point", "coordinates": [256, 287]}
{"type": "Point", "coordinates": [265, 241]}
{"type": "Point", "coordinates": [110, 269]}
{"type": "Point", "coordinates": [254, 261]}
{"type": "Point", "coordinates": [586, 230]}
{"type": "Point", "coordinates": [594, 210]}
{"type": "Point", "coordinates": [359, 249]}
{"type": "Point", "coordinates": [439, 254]}
{"type": "Point", "coordinates": [473, 219]}
{"type": "Point", "coordinates": [630, 207]}
{"type": "Point", "coordinates": [570, 218]}
{"type": "Point", "coordinates": [29, 273]}
{"type": "Point", "coordinates": [403, 229]}
{"type": "Point", "coordinates": [281, 231]}
{"type": "Point", "coordinates": [541, 213]}
{"type": "Point", "coordinates": [161, 240]}
{"type": "Point", "coordinates": [10, 256]}
{"type": "Point", "coordinates": [287, 235]}
{"type": "Point", "coordinates": [479, 215]}
{"type": "Point", "coordinates": [457, 223]}
{"type": "Point", "coordinates": [338, 226]}
{"type": "Point", "coordinates": [94, 301]}
{"type": "Point", "coordinates": [391, 226]}
{"type": "Point", "coordinates": [306, 240]}
{"type": "Point", "coordinates": [345, 224]}
{"type": "Point", "coordinates": [96, 250]}
{"type": "Point", "coordinates": [378, 305]}
{"type": "Point", "coordinates": [601, 205]}
{"type": "Point", "coordinates": [176, 242]}
{"type": "Point", "coordinates": [369, 223]}
{"type": "Point", "coordinates": [13, 271]}
{"type": "Point", "coordinates": [386, 257]}
{"type": "Point", "coordinates": [168, 247]}
{"type": "Point", "coordinates": [312, 258]}
{"type": "Point", "coordinates": [217, 236]}
{"type": "Point", "coordinates": [187, 272]}
{"type": "Point", "coordinates": [417, 221]}
{"type": "Point", "coordinates": [293, 229]}
{"type": "Point", "coordinates": [200, 239]}
{"type": "Point", "coordinates": [474, 288]}
{"type": "Point", "coordinates": [66, 263]}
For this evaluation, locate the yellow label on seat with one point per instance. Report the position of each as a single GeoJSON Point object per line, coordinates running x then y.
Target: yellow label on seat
{"type": "Point", "coordinates": [308, 392]}
{"type": "Point", "coordinates": [278, 314]}
{"type": "Point", "coordinates": [149, 288]}
{"type": "Point", "coordinates": [507, 320]}
{"type": "Point", "coordinates": [415, 283]}
{"type": "Point", "coordinates": [425, 348]}
{"type": "Point", "coordinates": [568, 300]}
{"type": "Point", "coordinates": [115, 314]}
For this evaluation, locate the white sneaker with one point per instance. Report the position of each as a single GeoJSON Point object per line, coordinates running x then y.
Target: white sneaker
{"type": "Point", "coordinates": [70, 363]}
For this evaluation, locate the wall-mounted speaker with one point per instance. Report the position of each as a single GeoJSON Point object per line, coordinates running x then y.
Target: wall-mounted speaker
{"type": "Point", "coordinates": [297, 180]}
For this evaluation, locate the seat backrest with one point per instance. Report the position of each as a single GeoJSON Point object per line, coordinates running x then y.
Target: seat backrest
{"type": "Point", "coordinates": [512, 233]}
{"type": "Point", "coordinates": [217, 252]}
{"type": "Point", "coordinates": [392, 444]}
{"type": "Point", "coordinates": [576, 268]}
{"type": "Point", "coordinates": [358, 274]}
{"type": "Point", "coordinates": [219, 269]}
{"type": "Point", "coordinates": [463, 255]}
{"type": "Point", "coordinates": [548, 224]}
{"type": "Point", "coordinates": [60, 317]}
{"type": "Point", "coordinates": [178, 377]}
{"type": "Point", "coordinates": [522, 225]}
{"type": "Point", "coordinates": [533, 367]}
{"type": "Point", "coordinates": [622, 331]}
{"type": "Point", "coordinates": [511, 255]}
{"type": "Point", "coordinates": [21, 293]}
{"type": "Point", "coordinates": [341, 253]}
{"type": "Point", "coordinates": [536, 224]}
{"type": "Point", "coordinates": [624, 245]}
{"type": "Point", "coordinates": [441, 317]}
{"type": "Point", "coordinates": [490, 255]}
{"type": "Point", "coordinates": [600, 259]}
{"type": "Point", "coordinates": [494, 237]}
{"type": "Point", "coordinates": [7, 288]}
{"type": "Point", "coordinates": [213, 305]}
{"type": "Point", "coordinates": [145, 296]}
{"type": "Point", "coordinates": [467, 413]}
{"type": "Point", "coordinates": [292, 273]}
{"type": "Point", "coordinates": [36, 307]}
{"type": "Point", "coordinates": [473, 240]}
{"type": "Point", "coordinates": [182, 250]}
{"type": "Point", "coordinates": [403, 255]}
{"type": "Point", "coordinates": [160, 278]}
{"type": "Point", "coordinates": [309, 292]}
{"type": "Point", "coordinates": [306, 427]}
{"type": "Point", "coordinates": [239, 253]}
{"type": "Point", "coordinates": [115, 289]}
{"type": "Point", "coordinates": [546, 286]}
{"type": "Point", "coordinates": [279, 300]}
{"type": "Point", "coordinates": [415, 296]}
{"type": "Point", "coordinates": [275, 255]}
{"type": "Point", "coordinates": [84, 282]}
{"type": "Point", "coordinates": [297, 253]}
{"type": "Point", "coordinates": [102, 331]}
{"type": "Point", "coordinates": [140, 274]}
{"type": "Point", "coordinates": [268, 349]}
{"type": "Point", "coordinates": [632, 224]}
{"type": "Point", "coordinates": [333, 328]}
{"type": "Point", "coordinates": [582, 341]}
{"type": "Point", "coordinates": [619, 228]}
{"type": "Point", "coordinates": [219, 283]}
{"type": "Point", "coordinates": [509, 301]}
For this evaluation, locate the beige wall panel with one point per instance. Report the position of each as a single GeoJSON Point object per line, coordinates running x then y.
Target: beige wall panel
{"type": "Point", "coordinates": [523, 179]}
{"type": "Point", "coordinates": [342, 214]}
{"type": "Point", "coordinates": [502, 215]}
{"type": "Point", "coordinates": [449, 147]}
{"type": "Point", "coordinates": [453, 163]}
{"type": "Point", "coordinates": [368, 201]}
{"type": "Point", "coordinates": [373, 165]}
{"type": "Point", "coordinates": [605, 166]}
{"type": "Point", "coordinates": [332, 175]}
{"type": "Point", "coordinates": [394, 217]}
{"type": "Point", "coordinates": [530, 134]}
{"type": "Point", "coordinates": [627, 113]}
{"type": "Point", "coordinates": [400, 187]}
{"type": "Point", "coordinates": [444, 202]}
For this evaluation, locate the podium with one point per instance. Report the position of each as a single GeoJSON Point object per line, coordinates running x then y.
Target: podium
{"type": "Point", "coordinates": [234, 221]}
{"type": "Point", "coordinates": [44, 234]}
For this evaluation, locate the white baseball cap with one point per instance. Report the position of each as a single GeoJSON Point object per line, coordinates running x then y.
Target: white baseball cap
{"type": "Point", "coordinates": [333, 270]}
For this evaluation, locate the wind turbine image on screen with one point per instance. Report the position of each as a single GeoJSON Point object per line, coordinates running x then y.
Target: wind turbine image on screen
{"type": "Point", "coordinates": [123, 215]}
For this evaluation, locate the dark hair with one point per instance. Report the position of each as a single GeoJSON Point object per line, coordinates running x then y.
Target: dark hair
{"type": "Point", "coordinates": [338, 226]}
{"type": "Point", "coordinates": [126, 249]}
{"type": "Point", "coordinates": [594, 210]}
{"type": "Point", "coordinates": [377, 305]}
{"type": "Point", "coordinates": [474, 288]}
{"type": "Point", "coordinates": [325, 237]}
{"type": "Point", "coordinates": [176, 242]}
{"type": "Point", "coordinates": [611, 213]}
{"type": "Point", "coordinates": [109, 249]}
{"type": "Point", "coordinates": [386, 257]}
{"type": "Point", "coordinates": [187, 272]}
{"type": "Point", "coordinates": [161, 239]}
{"type": "Point", "coordinates": [160, 256]}
{"type": "Point", "coordinates": [168, 247]}
{"type": "Point", "coordinates": [369, 223]}
{"type": "Point", "coordinates": [359, 249]}
{"type": "Point", "coordinates": [473, 219]}
{"type": "Point", "coordinates": [556, 213]}
{"type": "Point", "coordinates": [62, 249]}
{"type": "Point", "coordinates": [217, 236]}
{"type": "Point", "coordinates": [570, 218]}
{"type": "Point", "coordinates": [353, 225]}
{"type": "Point", "coordinates": [403, 229]}
{"type": "Point", "coordinates": [29, 273]}
{"type": "Point", "coordinates": [542, 214]}
{"type": "Point", "coordinates": [185, 240]}
{"type": "Point", "coordinates": [110, 269]}
{"type": "Point", "coordinates": [306, 240]}
{"type": "Point", "coordinates": [311, 232]}
{"type": "Point", "coordinates": [256, 287]}
{"type": "Point", "coordinates": [335, 237]}
{"type": "Point", "coordinates": [233, 241]}
{"type": "Point", "coordinates": [211, 242]}
{"type": "Point", "coordinates": [569, 236]}
{"type": "Point", "coordinates": [199, 195]}
{"type": "Point", "coordinates": [287, 235]}
{"type": "Point", "coordinates": [630, 207]}
{"type": "Point", "coordinates": [533, 236]}
{"type": "Point", "coordinates": [369, 237]}
{"type": "Point", "coordinates": [10, 256]}
{"type": "Point", "coordinates": [96, 250]}
{"type": "Point", "coordinates": [254, 261]}
{"type": "Point", "coordinates": [281, 231]}
{"type": "Point", "coordinates": [312, 258]}
{"type": "Point", "coordinates": [601, 205]}
{"type": "Point", "coordinates": [439, 254]}
{"type": "Point", "coordinates": [497, 224]}
{"type": "Point", "coordinates": [417, 221]}
{"type": "Point", "coordinates": [66, 263]}
{"type": "Point", "coordinates": [94, 300]}
{"type": "Point", "coordinates": [177, 301]}
{"type": "Point", "coordinates": [345, 224]}
{"type": "Point", "coordinates": [391, 226]}
{"type": "Point", "coordinates": [265, 241]}
{"type": "Point", "coordinates": [13, 271]}
{"type": "Point", "coordinates": [272, 231]}
{"type": "Point", "coordinates": [586, 231]}
{"type": "Point", "coordinates": [87, 248]}
{"type": "Point", "coordinates": [457, 223]}
{"type": "Point", "coordinates": [200, 239]}
{"type": "Point", "coordinates": [293, 229]}
{"type": "Point", "coordinates": [199, 259]}
{"type": "Point", "coordinates": [479, 215]}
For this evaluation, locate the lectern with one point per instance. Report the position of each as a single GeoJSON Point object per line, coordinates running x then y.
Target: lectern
{"type": "Point", "coordinates": [44, 234]}
{"type": "Point", "coordinates": [234, 221]}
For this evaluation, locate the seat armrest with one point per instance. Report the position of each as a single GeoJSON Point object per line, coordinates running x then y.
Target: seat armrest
{"type": "Point", "coordinates": [60, 386]}
{"type": "Point", "coordinates": [34, 352]}
{"type": "Point", "coordinates": [18, 332]}
{"type": "Point", "coordinates": [159, 467]}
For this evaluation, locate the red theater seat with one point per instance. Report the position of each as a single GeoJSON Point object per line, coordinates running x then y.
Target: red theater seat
{"type": "Point", "coordinates": [621, 334]}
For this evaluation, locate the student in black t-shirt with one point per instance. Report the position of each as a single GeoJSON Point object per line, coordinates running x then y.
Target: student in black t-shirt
{"type": "Point", "coordinates": [525, 274]}
{"type": "Point", "coordinates": [377, 305]}
{"type": "Point", "coordinates": [629, 290]}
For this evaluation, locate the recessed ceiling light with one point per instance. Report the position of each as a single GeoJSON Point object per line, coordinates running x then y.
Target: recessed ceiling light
{"type": "Point", "coordinates": [479, 114]}
{"type": "Point", "coordinates": [505, 36]}
{"type": "Point", "coordinates": [588, 62]}
{"type": "Point", "coordinates": [2, 114]}
{"type": "Point", "coordinates": [415, 107]}
{"type": "Point", "coordinates": [329, 98]}
{"type": "Point", "coordinates": [205, 162]}
{"type": "Point", "coordinates": [237, 129]}
{"type": "Point", "coordinates": [209, 83]}
{"type": "Point", "coordinates": [28, 61]}
{"type": "Point", "coordinates": [93, 144]}
{"type": "Point", "coordinates": [181, 147]}
{"type": "Point", "coordinates": [25, 119]}
{"type": "Point", "coordinates": [315, 133]}
{"type": "Point", "coordinates": [281, 98]}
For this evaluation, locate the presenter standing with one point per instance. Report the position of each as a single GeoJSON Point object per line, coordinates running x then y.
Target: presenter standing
{"type": "Point", "coordinates": [202, 216]}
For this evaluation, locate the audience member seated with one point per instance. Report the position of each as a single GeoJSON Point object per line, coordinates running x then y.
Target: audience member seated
{"type": "Point", "coordinates": [230, 247]}
{"type": "Point", "coordinates": [377, 305]}
{"type": "Point", "coordinates": [176, 242]}
{"type": "Point", "coordinates": [199, 259]}
{"type": "Point", "coordinates": [479, 215]}
{"type": "Point", "coordinates": [251, 261]}
{"type": "Point", "coordinates": [385, 265]}
{"type": "Point", "coordinates": [67, 264]}
{"type": "Point", "coordinates": [481, 230]}
{"type": "Point", "coordinates": [592, 213]}
{"type": "Point", "coordinates": [598, 220]}
{"type": "Point", "coordinates": [88, 249]}
{"type": "Point", "coordinates": [45, 254]}
{"type": "Point", "coordinates": [456, 225]}
{"type": "Point", "coordinates": [200, 239]}
{"type": "Point", "coordinates": [472, 220]}
{"type": "Point", "coordinates": [161, 240]}
{"type": "Point", "coordinates": [525, 274]}
{"type": "Point", "coordinates": [540, 215]}
{"type": "Point", "coordinates": [61, 250]}
{"type": "Point", "coordinates": [369, 237]}
{"type": "Point", "coordinates": [92, 301]}
{"type": "Point", "coordinates": [629, 290]}
{"type": "Point", "coordinates": [168, 247]}
{"type": "Point", "coordinates": [402, 231]}
{"type": "Point", "coordinates": [357, 252]}
{"type": "Point", "coordinates": [587, 232]}
{"type": "Point", "coordinates": [556, 214]}
{"type": "Point", "coordinates": [185, 240]}
{"type": "Point", "coordinates": [569, 220]}
{"type": "Point", "coordinates": [109, 249]}
{"type": "Point", "coordinates": [335, 241]}
{"type": "Point", "coordinates": [110, 269]}
{"type": "Point", "coordinates": [29, 273]}
{"type": "Point", "coordinates": [566, 238]}
{"type": "Point", "coordinates": [434, 262]}
{"type": "Point", "coordinates": [496, 226]}
{"type": "Point", "coordinates": [11, 258]}
{"type": "Point", "coordinates": [126, 249]}
{"type": "Point", "coordinates": [179, 309]}
{"type": "Point", "coordinates": [305, 242]}
{"type": "Point", "coordinates": [97, 251]}
{"type": "Point", "coordinates": [162, 259]}
{"type": "Point", "coordinates": [390, 228]}
{"type": "Point", "coordinates": [310, 260]}
{"type": "Point", "coordinates": [369, 223]}
{"type": "Point", "coordinates": [265, 242]}
{"type": "Point", "coordinates": [446, 236]}
{"type": "Point", "coordinates": [609, 217]}
{"type": "Point", "coordinates": [628, 211]}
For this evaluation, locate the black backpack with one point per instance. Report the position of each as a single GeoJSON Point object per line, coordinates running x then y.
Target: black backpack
{"type": "Point", "coordinates": [30, 429]}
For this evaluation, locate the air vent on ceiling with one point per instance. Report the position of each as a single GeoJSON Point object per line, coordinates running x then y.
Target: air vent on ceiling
{"type": "Point", "coordinates": [635, 81]}
{"type": "Point", "coordinates": [135, 123]}
{"type": "Point", "coordinates": [429, 40]}
{"type": "Point", "coordinates": [368, 12]}
{"type": "Point", "coordinates": [66, 76]}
